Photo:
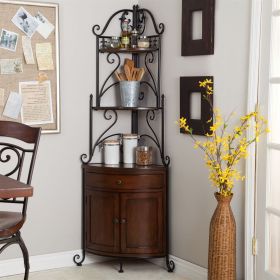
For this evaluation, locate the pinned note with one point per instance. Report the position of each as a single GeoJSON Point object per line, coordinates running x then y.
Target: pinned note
{"type": "Point", "coordinates": [27, 50]}
{"type": "Point", "coordinates": [44, 56]}
{"type": "Point", "coordinates": [13, 105]}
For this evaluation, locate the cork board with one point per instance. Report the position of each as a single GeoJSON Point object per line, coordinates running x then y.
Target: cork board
{"type": "Point", "coordinates": [30, 72]}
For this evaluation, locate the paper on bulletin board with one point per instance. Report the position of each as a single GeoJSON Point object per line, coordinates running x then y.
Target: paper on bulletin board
{"type": "Point", "coordinates": [44, 56]}
{"type": "Point", "coordinates": [36, 102]}
{"type": "Point", "coordinates": [25, 22]}
{"type": "Point", "coordinates": [11, 66]}
{"type": "Point", "coordinates": [2, 97]}
{"type": "Point", "coordinates": [27, 50]}
{"type": "Point", "coordinates": [45, 28]}
{"type": "Point", "coordinates": [13, 105]}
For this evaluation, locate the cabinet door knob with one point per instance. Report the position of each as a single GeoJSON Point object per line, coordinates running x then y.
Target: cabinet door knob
{"type": "Point", "coordinates": [119, 182]}
{"type": "Point", "coordinates": [116, 221]}
{"type": "Point", "coordinates": [123, 221]}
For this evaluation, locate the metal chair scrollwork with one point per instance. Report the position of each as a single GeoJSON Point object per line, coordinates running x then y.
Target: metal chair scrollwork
{"type": "Point", "coordinates": [17, 158]}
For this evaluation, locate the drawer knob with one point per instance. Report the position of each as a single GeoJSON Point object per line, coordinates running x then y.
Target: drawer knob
{"type": "Point", "coordinates": [119, 182]}
{"type": "Point", "coordinates": [116, 221]}
{"type": "Point", "coordinates": [123, 221]}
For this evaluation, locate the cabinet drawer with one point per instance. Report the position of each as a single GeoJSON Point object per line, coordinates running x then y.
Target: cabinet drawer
{"type": "Point", "coordinates": [124, 181]}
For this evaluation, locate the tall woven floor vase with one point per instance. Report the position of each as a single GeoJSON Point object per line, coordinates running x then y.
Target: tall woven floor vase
{"type": "Point", "coordinates": [222, 242]}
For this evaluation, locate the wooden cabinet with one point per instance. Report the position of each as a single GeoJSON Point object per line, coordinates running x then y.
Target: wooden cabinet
{"type": "Point", "coordinates": [125, 210]}
{"type": "Point", "coordinates": [102, 230]}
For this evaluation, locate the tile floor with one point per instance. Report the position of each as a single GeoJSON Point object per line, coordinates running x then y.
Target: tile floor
{"type": "Point", "coordinates": [104, 271]}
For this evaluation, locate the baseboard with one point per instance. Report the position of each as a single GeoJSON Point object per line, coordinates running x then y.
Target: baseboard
{"type": "Point", "coordinates": [184, 268]}
{"type": "Point", "coordinates": [65, 259]}
{"type": "Point", "coordinates": [44, 262]}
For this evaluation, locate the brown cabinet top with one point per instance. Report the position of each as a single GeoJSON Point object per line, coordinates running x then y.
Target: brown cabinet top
{"type": "Point", "coordinates": [124, 168]}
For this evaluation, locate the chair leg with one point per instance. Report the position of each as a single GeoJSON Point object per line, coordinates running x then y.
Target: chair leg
{"type": "Point", "coordinates": [25, 255]}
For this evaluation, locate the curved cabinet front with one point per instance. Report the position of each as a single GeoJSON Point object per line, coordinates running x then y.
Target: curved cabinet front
{"type": "Point", "coordinates": [125, 210]}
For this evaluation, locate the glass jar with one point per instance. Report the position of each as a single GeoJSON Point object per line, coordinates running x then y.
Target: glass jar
{"type": "Point", "coordinates": [143, 42]}
{"type": "Point", "coordinates": [130, 142]}
{"type": "Point", "coordinates": [115, 42]}
{"type": "Point", "coordinates": [111, 151]}
{"type": "Point", "coordinates": [144, 155]}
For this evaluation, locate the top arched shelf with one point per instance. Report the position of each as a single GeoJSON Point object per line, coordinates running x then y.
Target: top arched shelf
{"type": "Point", "coordinates": [138, 18]}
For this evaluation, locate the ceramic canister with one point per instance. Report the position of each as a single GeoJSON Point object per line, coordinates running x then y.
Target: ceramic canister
{"type": "Point", "coordinates": [130, 142]}
{"type": "Point", "coordinates": [111, 151]}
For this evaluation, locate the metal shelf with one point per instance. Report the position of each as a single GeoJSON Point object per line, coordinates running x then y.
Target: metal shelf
{"type": "Point", "coordinates": [119, 108]}
{"type": "Point", "coordinates": [130, 50]}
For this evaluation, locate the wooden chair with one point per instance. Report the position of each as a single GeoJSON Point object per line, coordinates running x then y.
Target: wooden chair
{"type": "Point", "coordinates": [19, 156]}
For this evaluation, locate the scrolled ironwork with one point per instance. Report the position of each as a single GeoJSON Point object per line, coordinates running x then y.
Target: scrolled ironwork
{"type": "Point", "coordinates": [110, 86]}
{"type": "Point", "coordinates": [150, 116]}
{"type": "Point", "coordinates": [97, 27]}
{"type": "Point", "coordinates": [150, 86]}
{"type": "Point", "coordinates": [107, 137]}
{"type": "Point", "coordinates": [108, 115]}
{"type": "Point", "coordinates": [78, 260]}
{"type": "Point", "coordinates": [141, 22]}
{"type": "Point", "coordinates": [153, 140]}
{"type": "Point", "coordinates": [14, 154]}
{"type": "Point", "coordinates": [85, 158]}
{"type": "Point", "coordinates": [110, 60]}
{"type": "Point", "coordinates": [141, 95]}
{"type": "Point", "coordinates": [170, 265]}
{"type": "Point", "coordinates": [158, 29]}
{"type": "Point", "coordinates": [166, 160]}
{"type": "Point", "coordinates": [149, 58]}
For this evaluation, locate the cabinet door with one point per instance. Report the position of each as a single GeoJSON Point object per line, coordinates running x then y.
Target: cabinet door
{"type": "Point", "coordinates": [142, 226]}
{"type": "Point", "coordinates": [102, 224]}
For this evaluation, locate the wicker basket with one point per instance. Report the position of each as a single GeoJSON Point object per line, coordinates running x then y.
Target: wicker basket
{"type": "Point", "coordinates": [222, 242]}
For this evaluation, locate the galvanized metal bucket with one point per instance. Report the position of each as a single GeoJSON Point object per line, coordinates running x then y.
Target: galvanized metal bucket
{"type": "Point", "coordinates": [129, 93]}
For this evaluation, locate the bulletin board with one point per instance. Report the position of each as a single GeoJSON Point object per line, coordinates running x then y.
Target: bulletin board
{"type": "Point", "coordinates": [30, 30]}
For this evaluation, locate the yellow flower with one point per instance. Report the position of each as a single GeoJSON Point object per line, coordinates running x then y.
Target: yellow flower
{"type": "Point", "coordinates": [223, 149]}
{"type": "Point", "coordinates": [183, 122]}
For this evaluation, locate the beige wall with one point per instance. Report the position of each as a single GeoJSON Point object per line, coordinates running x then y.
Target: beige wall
{"type": "Point", "coordinates": [192, 200]}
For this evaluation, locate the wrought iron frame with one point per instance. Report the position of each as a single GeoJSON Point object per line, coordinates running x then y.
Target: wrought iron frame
{"type": "Point", "coordinates": [138, 21]}
{"type": "Point", "coordinates": [12, 153]}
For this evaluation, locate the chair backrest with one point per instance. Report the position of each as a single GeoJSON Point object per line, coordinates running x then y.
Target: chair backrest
{"type": "Point", "coordinates": [16, 151]}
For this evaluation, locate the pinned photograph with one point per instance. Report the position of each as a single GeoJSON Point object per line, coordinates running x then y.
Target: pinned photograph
{"type": "Point", "coordinates": [45, 28]}
{"type": "Point", "coordinates": [8, 40]}
{"type": "Point", "coordinates": [25, 22]}
{"type": "Point", "coordinates": [11, 66]}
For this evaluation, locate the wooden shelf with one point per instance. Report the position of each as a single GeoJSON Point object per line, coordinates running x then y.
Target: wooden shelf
{"type": "Point", "coordinates": [130, 50]}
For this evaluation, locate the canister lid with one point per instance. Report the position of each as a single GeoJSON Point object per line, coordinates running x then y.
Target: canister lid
{"type": "Point", "coordinates": [111, 142]}
{"type": "Point", "coordinates": [130, 136]}
{"type": "Point", "coordinates": [143, 149]}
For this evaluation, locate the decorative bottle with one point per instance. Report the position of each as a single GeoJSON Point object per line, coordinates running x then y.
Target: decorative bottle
{"type": "Point", "coordinates": [125, 35]}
